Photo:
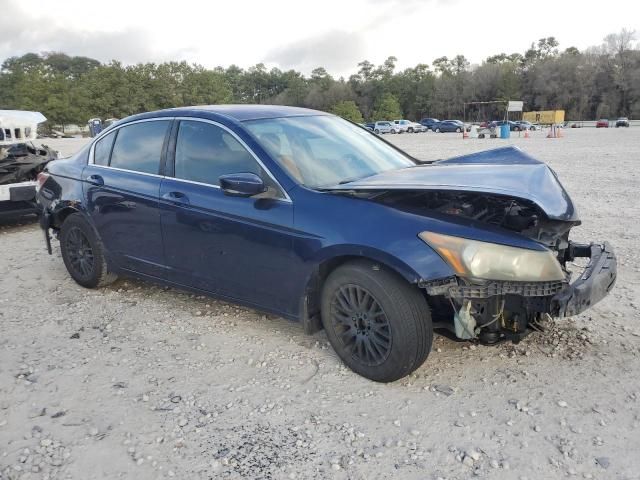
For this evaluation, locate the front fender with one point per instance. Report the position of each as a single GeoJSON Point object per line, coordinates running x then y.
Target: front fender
{"type": "Point", "coordinates": [414, 260]}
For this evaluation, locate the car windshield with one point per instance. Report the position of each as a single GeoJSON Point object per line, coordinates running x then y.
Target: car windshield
{"type": "Point", "coordinates": [323, 151]}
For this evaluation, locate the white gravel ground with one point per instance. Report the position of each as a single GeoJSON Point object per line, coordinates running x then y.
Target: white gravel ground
{"type": "Point", "coordinates": [139, 381]}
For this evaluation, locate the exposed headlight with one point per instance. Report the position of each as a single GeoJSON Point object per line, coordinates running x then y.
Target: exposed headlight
{"type": "Point", "coordinates": [490, 261]}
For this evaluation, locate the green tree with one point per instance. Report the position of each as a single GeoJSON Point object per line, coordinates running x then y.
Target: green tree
{"type": "Point", "coordinates": [388, 108]}
{"type": "Point", "coordinates": [348, 110]}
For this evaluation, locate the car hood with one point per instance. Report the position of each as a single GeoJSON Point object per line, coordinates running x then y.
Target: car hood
{"type": "Point", "coordinates": [504, 171]}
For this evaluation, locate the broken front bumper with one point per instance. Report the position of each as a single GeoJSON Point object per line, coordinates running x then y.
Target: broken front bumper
{"type": "Point", "coordinates": [594, 283]}
{"type": "Point", "coordinates": [557, 298]}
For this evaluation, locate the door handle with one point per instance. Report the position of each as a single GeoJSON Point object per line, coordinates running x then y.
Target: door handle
{"type": "Point", "coordinates": [95, 180]}
{"type": "Point", "coordinates": [177, 198]}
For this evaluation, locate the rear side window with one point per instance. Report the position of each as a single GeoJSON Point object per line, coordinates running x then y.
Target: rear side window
{"type": "Point", "coordinates": [103, 149]}
{"type": "Point", "coordinates": [138, 147]}
{"type": "Point", "coordinates": [205, 151]}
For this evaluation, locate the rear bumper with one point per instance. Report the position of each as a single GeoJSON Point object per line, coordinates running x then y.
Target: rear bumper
{"type": "Point", "coordinates": [593, 285]}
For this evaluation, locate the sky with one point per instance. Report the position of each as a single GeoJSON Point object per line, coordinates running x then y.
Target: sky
{"type": "Point", "coordinates": [335, 34]}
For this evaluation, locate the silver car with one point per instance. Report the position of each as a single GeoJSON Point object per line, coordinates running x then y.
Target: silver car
{"type": "Point", "coordinates": [385, 127]}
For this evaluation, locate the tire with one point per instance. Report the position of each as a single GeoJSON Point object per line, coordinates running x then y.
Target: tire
{"type": "Point", "coordinates": [410, 130]}
{"type": "Point", "coordinates": [376, 131]}
{"type": "Point", "coordinates": [83, 253]}
{"type": "Point", "coordinates": [437, 130]}
{"type": "Point", "coordinates": [458, 130]}
{"type": "Point", "coordinates": [517, 129]}
{"type": "Point", "coordinates": [388, 345]}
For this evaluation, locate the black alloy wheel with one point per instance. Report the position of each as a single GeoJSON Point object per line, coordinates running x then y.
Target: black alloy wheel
{"type": "Point", "coordinates": [81, 258]}
{"type": "Point", "coordinates": [83, 253]}
{"type": "Point", "coordinates": [378, 323]}
{"type": "Point", "coordinates": [361, 325]}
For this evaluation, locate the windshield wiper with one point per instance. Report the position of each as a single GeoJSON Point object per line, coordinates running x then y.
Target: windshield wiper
{"type": "Point", "coordinates": [352, 179]}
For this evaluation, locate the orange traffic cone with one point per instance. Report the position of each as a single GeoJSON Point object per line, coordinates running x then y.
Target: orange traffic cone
{"type": "Point", "coordinates": [465, 134]}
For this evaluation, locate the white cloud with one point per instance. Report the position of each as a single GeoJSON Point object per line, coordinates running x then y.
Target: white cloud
{"type": "Point", "coordinates": [297, 34]}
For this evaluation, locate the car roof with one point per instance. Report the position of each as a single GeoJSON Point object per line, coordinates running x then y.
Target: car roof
{"type": "Point", "coordinates": [239, 113]}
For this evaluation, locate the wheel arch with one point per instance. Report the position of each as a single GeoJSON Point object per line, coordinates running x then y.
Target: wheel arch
{"type": "Point", "coordinates": [309, 308]}
{"type": "Point", "coordinates": [61, 212]}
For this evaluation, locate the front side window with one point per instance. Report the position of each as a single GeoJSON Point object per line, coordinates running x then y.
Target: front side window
{"type": "Point", "coordinates": [138, 147]}
{"type": "Point", "coordinates": [204, 152]}
{"type": "Point", "coordinates": [324, 151]}
{"type": "Point", "coordinates": [102, 149]}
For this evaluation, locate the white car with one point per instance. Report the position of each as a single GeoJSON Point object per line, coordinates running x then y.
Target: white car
{"type": "Point", "coordinates": [409, 126]}
{"type": "Point", "coordinates": [385, 127]}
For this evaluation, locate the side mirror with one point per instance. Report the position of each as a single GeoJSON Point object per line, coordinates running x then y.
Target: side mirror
{"type": "Point", "coordinates": [242, 184]}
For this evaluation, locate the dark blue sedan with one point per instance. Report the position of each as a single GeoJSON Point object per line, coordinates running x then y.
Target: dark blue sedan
{"type": "Point", "coordinates": [308, 216]}
{"type": "Point", "coordinates": [448, 126]}
{"type": "Point", "coordinates": [429, 122]}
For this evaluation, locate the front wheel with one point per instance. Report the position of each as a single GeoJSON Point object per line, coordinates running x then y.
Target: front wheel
{"type": "Point", "coordinates": [437, 130]}
{"type": "Point", "coordinates": [83, 253]}
{"type": "Point", "coordinates": [376, 131]}
{"type": "Point", "coordinates": [458, 130]}
{"type": "Point", "coordinates": [378, 324]}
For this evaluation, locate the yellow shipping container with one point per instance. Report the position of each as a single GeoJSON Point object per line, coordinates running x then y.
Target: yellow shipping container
{"type": "Point", "coordinates": [545, 117]}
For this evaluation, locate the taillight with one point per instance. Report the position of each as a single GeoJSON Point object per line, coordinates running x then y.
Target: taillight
{"type": "Point", "coordinates": [41, 179]}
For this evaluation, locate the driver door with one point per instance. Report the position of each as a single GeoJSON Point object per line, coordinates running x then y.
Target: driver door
{"type": "Point", "coordinates": [232, 246]}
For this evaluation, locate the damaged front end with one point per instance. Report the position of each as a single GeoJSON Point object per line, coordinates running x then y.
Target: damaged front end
{"type": "Point", "coordinates": [487, 208]}
{"type": "Point", "coordinates": [492, 310]}
{"type": "Point", "coordinates": [20, 161]}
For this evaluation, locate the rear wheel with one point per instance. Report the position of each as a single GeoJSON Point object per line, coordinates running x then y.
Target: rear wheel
{"type": "Point", "coordinates": [437, 130]}
{"type": "Point", "coordinates": [378, 324]}
{"type": "Point", "coordinates": [83, 253]}
{"type": "Point", "coordinates": [376, 131]}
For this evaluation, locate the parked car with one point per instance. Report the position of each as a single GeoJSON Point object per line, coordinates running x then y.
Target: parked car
{"type": "Point", "coordinates": [622, 122]}
{"type": "Point", "coordinates": [408, 126]}
{"type": "Point", "coordinates": [602, 123]}
{"type": "Point", "coordinates": [448, 126]}
{"type": "Point", "coordinates": [385, 127]}
{"type": "Point", "coordinates": [429, 122]}
{"type": "Point", "coordinates": [203, 198]}
{"type": "Point", "coordinates": [513, 126]}
{"type": "Point", "coordinates": [524, 125]}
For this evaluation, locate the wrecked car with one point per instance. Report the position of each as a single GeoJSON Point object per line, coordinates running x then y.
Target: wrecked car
{"type": "Point", "coordinates": [20, 161]}
{"type": "Point", "coordinates": [313, 218]}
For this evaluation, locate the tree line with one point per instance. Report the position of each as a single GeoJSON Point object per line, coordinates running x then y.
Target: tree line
{"type": "Point", "coordinates": [601, 81]}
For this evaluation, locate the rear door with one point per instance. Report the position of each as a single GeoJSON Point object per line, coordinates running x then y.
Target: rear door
{"type": "Point", "coordinates": [121, 186]}
{"type": "Point", "coordinates": [232, 246]}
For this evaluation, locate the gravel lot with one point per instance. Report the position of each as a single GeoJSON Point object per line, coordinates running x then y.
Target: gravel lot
{"type": "Point", "coordinates": [140, 381]}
